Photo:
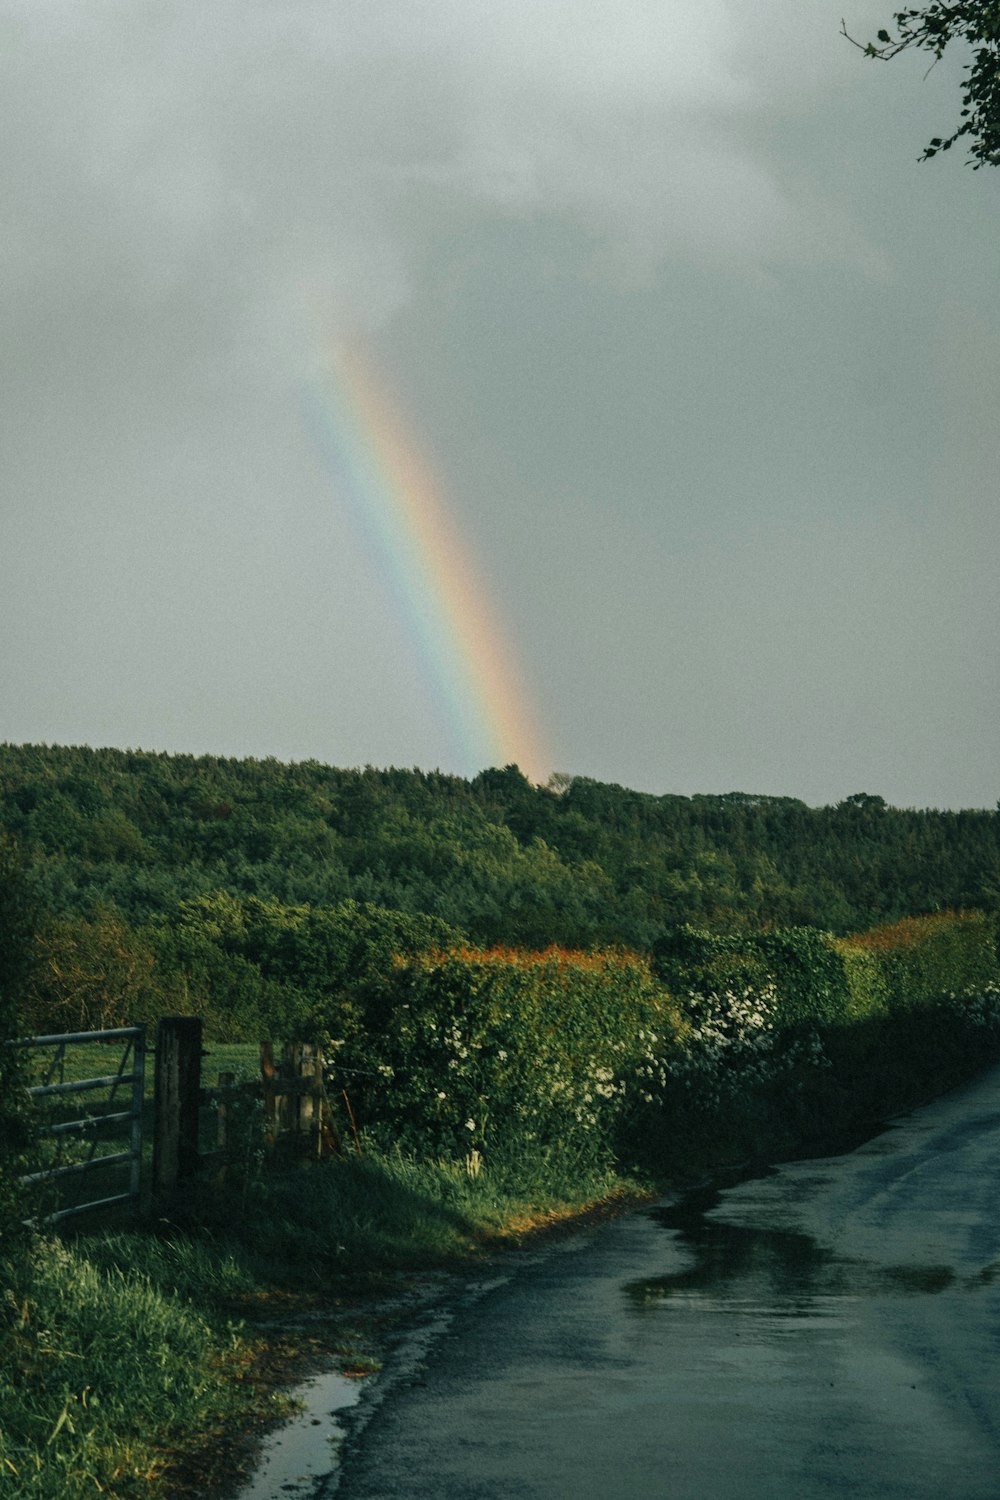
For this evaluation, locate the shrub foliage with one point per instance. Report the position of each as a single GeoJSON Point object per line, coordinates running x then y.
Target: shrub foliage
{"type": "Point", "coordinates": [497, 1051]}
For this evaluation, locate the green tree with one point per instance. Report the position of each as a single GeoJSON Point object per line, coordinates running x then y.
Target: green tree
{"type": "Point", "coordinates": [16, 934]}
{"type": "Point", "coordinates": [932, 28]}
{"type": "Point", "coordinates": [89, 973]}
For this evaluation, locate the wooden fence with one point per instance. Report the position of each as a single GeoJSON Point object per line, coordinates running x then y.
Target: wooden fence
{"type": "Point", "coordinates": [291, 1091]}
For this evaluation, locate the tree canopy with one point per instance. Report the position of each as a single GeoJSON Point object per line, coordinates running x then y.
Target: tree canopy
{"type": "Point", "coordinates": [258, 894]}
{"type": "Point", "coordinates": [933, 28]}
{"type": "Point", "coordinates": [114, 834]}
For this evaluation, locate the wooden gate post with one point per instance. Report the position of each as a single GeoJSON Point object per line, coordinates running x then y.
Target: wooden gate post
{"type": "Point", "coordinates": [176, 1100]}
{"type": "Point", "coordinates": [313, 1068]}
{"type": "Point", "coordinates": [289, 1100]}
{"type": "Point", "coordinates": [295, 1102]}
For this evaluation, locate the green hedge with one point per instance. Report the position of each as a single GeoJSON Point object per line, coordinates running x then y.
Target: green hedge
{"type": "Point", "coordinates": [800, 1041]}
{"type": "Point", "coordinates": [722, 1045]}
{"type": "Point", "coordinates": [802, 965]}
{"type": "Point", "coordinates": [920, 961]}
{"type": "Point", "coordinates": [508, 1053]}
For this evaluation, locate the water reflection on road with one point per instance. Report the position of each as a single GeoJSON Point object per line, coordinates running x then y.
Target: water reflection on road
{"type": "Point", "coordinates": [830, 1328]}
{"type": "Point", "coordinates": [772, 1273]}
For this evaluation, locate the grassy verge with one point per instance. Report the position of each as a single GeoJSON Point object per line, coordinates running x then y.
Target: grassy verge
{"type": "Point", "coordinates": [125, 1357]}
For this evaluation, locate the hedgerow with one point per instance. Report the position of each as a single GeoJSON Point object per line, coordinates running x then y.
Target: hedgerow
{"type": "Point", "coordinates": [724, 1045]}
{"type": "Point", "coordinates": [921, 960]}
{"type": "Point", "coordinates": [496, 1051]}
{"type": "Point", "coordinates": [798, 1040]}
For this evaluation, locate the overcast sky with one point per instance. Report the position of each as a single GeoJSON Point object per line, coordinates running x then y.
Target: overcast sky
{"type": "Point", "coordinates": [706, 364]}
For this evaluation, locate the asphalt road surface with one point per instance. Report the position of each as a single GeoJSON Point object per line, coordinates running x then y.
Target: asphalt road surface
{"type": "Point", "coordinates": [832, 1329]}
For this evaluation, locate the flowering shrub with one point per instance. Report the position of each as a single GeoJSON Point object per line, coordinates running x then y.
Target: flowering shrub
{"type": "Point", "coordinates": [726, 1046]}
{"type": "Point", "coordinates": [741, 1073]}
{"type": "Point", "coordinates": [808, 1039]}
{"type": "Point", "coordinates": [498, 1050]}
{"type": "Point", "coordinates": [733, 1043]}
{"type": "Point", "coordinates": [982, 1011]}
{"type": "Point", "coordinates": [801, 965]}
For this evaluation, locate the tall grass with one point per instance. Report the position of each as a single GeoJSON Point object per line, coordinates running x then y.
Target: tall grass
{"type": "Point", "coordinates": [384, 1211]}
{"type": "Point", "coordinates": [102, 1370]}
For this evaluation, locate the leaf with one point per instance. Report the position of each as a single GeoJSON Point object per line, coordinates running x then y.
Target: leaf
{"type": "Point", "coordinates": [63, 1419]}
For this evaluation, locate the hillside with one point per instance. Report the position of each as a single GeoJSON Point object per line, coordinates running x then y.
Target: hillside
{"type": "Point", "coordinates": [576, 862]}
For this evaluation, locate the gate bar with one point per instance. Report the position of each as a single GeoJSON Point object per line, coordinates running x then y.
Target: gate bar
{"type": "Point", "coordinates": [74, 1036]}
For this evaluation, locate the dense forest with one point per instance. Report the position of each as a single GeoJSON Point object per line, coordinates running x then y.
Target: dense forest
{"type": "Point", "coordinates": [134, 834]}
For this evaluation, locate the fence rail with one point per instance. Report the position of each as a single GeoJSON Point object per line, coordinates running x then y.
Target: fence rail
{"type": "Point", "coordinates": [130, 1074]}
{"type": "Point", "coordinates": [293, 1117]}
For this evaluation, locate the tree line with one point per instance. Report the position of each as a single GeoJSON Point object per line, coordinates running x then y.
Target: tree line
{"type": "Point", "coordinates": [577, 862]}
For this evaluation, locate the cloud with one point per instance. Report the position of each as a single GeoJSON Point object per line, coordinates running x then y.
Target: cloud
{"type": "Point", "coordinates": [255, 147]}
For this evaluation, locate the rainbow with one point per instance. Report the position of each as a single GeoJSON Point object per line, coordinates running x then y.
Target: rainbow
{"type": "Point", "coordinates": [377, 466]}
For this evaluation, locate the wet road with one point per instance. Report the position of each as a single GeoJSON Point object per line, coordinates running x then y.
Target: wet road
{"type": "Point", "coordinates": [831, 1329]}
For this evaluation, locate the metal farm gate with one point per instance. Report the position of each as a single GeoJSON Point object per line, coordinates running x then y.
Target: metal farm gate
{"type": "Point", "coordinates": [103, 1133]}
{"type": "Point", "coordinates": [73, 1147]}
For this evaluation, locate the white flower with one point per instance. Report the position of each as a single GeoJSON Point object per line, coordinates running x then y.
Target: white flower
{"type": "Point", "coordinates": [470, 1124]}
{"type": "Point", "coordinates": [442, 1094]}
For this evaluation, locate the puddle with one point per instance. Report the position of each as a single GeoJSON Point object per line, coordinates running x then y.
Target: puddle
{"type": "Point", "coordinates": [299, 1459]}
{"type": "Point", "coordinates": [302, 1459]}
{"type": "Point", "coordinates": [772, 1274]}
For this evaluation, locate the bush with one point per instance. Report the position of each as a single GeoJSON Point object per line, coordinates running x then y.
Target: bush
{"type": "Point", "coordinates": [808, 973]}
{"type": "Point", "coordinates": [800, 964]}
{"type": "Point", "coordinates": [507, 1053]}
{"type": "Point", "coordinates": [691, 962]}
{"type": "Point", "coordinates": [868, 992]}
{"type": "Point", "coordinates": [801, 1041]}
{"type": "Point", "coordinates": [261, 967]}
{"type": "Point", "coordinates": [89, 973]}
{"type": "Point", "coordinates": [921, 960]}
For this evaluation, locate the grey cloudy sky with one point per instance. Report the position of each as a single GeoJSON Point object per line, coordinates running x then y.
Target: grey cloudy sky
{"type": "Point", "coordinates": [707, 363]}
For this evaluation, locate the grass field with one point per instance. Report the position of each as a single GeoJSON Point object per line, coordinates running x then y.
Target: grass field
{"type": "Point", "coordinates": [92, 1059]}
